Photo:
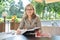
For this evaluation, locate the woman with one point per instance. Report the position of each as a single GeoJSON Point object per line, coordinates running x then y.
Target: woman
{"type": "Point", "coordinates": [30, 20]}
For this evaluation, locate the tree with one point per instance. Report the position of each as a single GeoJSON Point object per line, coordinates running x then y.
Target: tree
{"type": "Point", "coordinates": [16, 8]}
{"type": "Point", "coordinates": [38, 6]}
{"type": "Point", "coordinates": [54, 7]}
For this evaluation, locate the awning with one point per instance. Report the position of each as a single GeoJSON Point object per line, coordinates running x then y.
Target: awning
{"type": "Point", "coordinates": [48, 1]}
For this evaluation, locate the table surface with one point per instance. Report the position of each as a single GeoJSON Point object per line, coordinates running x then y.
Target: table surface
{"type": "Point", "coordinates": [4, 36]}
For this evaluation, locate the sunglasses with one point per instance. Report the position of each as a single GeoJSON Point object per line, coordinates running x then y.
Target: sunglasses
{"type": "Point", "coordinates": [29, 9]}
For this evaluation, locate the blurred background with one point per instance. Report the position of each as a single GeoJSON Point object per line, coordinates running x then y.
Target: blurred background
{"type": "Point", "coordinates": [46, 9]}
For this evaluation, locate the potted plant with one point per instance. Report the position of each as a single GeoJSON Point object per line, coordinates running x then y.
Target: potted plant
{"type": "Point", "coordinates": [14, 22]}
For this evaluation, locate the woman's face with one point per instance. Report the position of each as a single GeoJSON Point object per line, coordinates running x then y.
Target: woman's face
{"type": "Point", "coordinates": [29, 10]}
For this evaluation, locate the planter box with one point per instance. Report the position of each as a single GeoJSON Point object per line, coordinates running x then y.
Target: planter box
{"type": "Point", "coordinates": [14, 25]}
{"type": "Point", "coordinates": [2, 27]}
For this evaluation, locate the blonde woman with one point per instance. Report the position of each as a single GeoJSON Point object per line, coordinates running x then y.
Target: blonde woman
{"type": "Point", "coordinates": [30, 20]}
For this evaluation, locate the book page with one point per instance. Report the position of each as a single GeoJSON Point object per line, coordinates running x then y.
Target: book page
{"type": "Point", "coordinates": [25, 30]}
{"type": "Point", "coordinates": [33, 29]}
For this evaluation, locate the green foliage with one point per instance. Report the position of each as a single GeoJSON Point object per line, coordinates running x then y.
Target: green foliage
{"type": "Point", "coordinates": [2, 7]}
{"type": "Point", "coordinates": [16, 20]}
{"type": "Point", "coordinates": [9, 17]}
{"type": "Point", "coordinates": [54, 7]}
{"type": "Point", "coordinates": [39, 7]}
{"type": "Point", "coordinates": [1, 20]}
{"type": "Point", "coordinates": [10, 7]}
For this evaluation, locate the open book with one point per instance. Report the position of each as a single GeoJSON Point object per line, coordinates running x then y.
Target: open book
{"type": "Point", "coordinates": [25, 30]}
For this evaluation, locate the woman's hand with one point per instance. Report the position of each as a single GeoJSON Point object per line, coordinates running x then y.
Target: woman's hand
{"type": "Point", "coordinates": [38, 33]}
{"type": "Point", "coordinates": [18, 31]}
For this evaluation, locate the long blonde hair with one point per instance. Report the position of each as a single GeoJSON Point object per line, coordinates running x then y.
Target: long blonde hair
{"type": "Point", "coordinates": [25, 14]}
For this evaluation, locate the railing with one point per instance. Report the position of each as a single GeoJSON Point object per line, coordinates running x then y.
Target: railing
{"type": "Point", "coordinates": [54, 23]}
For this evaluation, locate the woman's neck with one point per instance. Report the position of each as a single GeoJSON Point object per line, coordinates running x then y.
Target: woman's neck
{"type": "Point", "coordinates": [29, 18]}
